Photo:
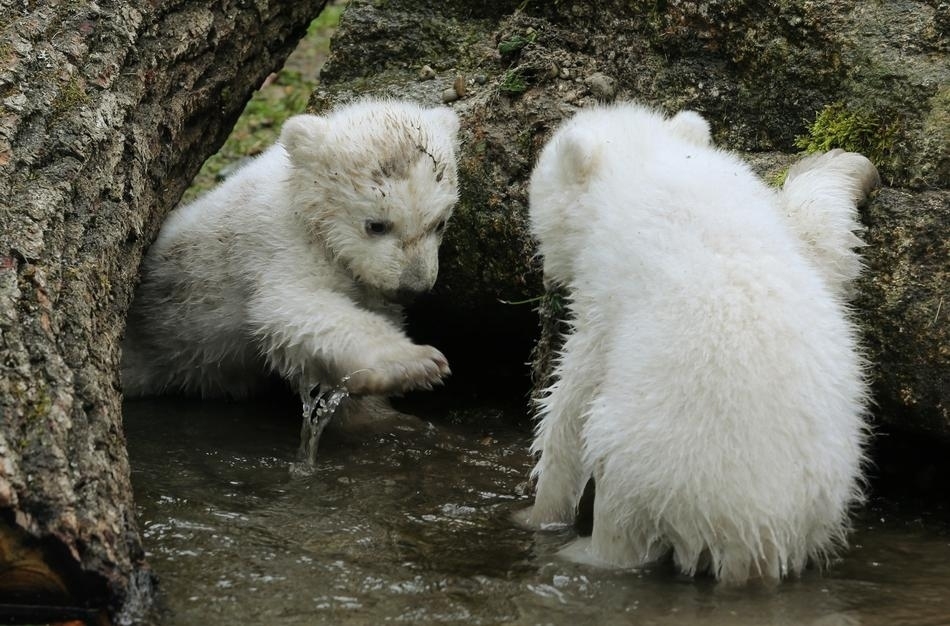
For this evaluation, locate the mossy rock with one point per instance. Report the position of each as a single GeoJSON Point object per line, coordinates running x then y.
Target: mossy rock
{"type": "Point", "coordinates": [770, 77]}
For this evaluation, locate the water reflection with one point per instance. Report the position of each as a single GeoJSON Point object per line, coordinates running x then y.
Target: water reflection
{"type": "Point", "coordinates": [413, 526]}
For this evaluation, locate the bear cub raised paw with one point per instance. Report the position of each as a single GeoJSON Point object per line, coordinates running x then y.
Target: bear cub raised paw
{"type": "Point", "coordinates": [299, 261]}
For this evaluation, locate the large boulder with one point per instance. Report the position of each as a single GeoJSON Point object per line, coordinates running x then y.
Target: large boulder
{"type": "Point", "coordinates": [774, 79]}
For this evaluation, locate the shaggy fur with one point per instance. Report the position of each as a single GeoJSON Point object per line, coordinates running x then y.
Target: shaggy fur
{"type": "Point", "coordinates": [293, 264]}
{"type": "Point", "coordinates": [819, 198]}
{"type": "Point", "coordinates": [711, 384]}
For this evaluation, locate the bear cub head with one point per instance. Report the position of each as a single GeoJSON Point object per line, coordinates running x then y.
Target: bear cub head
{"type": "Point", "coordinates": [374, 184]}
{"type": "Point", "coordinates": [572, 162]}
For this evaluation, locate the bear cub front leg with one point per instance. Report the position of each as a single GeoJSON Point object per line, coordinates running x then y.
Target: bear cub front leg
{"type": "Point", "coordinates": [300, 261]}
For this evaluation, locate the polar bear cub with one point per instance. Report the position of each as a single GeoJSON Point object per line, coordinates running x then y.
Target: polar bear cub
{"type": "Point", "coordinates": [711, 383]}
{"type": "Point", "coordinates": [297, 262]}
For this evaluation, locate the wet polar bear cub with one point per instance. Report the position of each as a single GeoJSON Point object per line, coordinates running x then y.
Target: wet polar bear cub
{"type": "Point", "coordinates": [295, 263]}
{"type": "Point", "coordinates": [711, 384]}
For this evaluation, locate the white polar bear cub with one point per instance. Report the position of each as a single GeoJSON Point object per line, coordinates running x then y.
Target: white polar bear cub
{"type": "Point", "coordinates": [293, 264]}
{"type": "Point", "coordinates": [711, 384]}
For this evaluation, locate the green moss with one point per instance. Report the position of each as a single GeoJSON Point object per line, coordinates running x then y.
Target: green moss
{"type": "Point", "coordinates": [35, 401]}
{"type": "Point", "coordinates": [40, 406]}
{"type": "Point", "coordinates": [72, 95]}
{"type": "Point", "coordinates": [509, 47]}
{"type": "Point", "coordinates": [525, 141]}
{"type": "Point", "coordinates": [513, 83]}
{"type": "Point", "coordinates": [777, 179]}
{"type": "Point", "coordinates": [936, 139]}
{"type": "Point", "coordinates": [6, 51]}
{"type": "Point", "coordinates": [871, 133]}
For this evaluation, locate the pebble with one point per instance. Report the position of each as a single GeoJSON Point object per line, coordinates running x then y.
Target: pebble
{"type": "Point", "coordinates": [603, 87]}
{"type": "Point", "coordinates": [459, 86]}
{"type": "Point", "coordinates": [450, 95]}
{"type": "Point", "coordinates": [426, 72]}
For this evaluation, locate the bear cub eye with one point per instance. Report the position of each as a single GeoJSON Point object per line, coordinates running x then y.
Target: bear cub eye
{"type": "Point", "coordinates": [378, 227]}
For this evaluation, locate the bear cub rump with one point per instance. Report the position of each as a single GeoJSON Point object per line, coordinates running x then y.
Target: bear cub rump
{"type": "Point", "coordinates": [299, 261]}
{"type": "Point", "coordinates": [711, 383]}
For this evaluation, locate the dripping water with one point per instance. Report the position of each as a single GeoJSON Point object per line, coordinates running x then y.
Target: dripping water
{"type": "Point", "coordinates": [320, 403]}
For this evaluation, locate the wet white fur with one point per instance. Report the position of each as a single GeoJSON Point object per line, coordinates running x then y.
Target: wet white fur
{"type": "Point", "coordinates": [275, 270]}
{"type": "Point", "coordinates": [711, 383]}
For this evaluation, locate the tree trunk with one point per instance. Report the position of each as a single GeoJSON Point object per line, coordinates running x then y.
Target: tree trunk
{"type": "Point", "coordinates": [107, 110]}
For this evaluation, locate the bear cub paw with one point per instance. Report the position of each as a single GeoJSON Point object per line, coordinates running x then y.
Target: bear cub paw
{"type": "Point", "coordinates": [400, 369]}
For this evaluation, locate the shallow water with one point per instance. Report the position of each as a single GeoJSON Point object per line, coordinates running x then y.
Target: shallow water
{"type": "Point", "coordinates": [412, 526]}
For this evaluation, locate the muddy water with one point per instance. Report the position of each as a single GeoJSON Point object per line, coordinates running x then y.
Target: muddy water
{"type": "Point", "coordinates": [411, 526]}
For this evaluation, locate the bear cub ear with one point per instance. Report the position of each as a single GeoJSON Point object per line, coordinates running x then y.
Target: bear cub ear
{"type": "Point", "coordinates": [445, 118]}
{"type": "Point", "coordinates": [692, 127]}
{"type": "Point", "coordinates": [302, 135]}
{"type": "Point", "coordinates": [578, 157]}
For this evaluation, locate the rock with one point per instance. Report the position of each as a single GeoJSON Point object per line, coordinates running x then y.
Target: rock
{"type": "Point", "coordinates": [460, 86]}
{"type": "Point", "coordinates": [870, 77]}
{"type": "Point", "coordinates": [601, 86]}
{"type": "Point", "coordinates": [904, 308]}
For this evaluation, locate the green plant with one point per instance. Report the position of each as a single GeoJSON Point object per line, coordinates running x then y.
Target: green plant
{"type": "Point", "coordinates": [873, 134]}
{"type": "Point", "coordinates": [513, 83]}
{"type": "Point", "coordinates": [515, 44]}
{"type": "Point", "coordinates": [72, 95]}
{"type": "Point", "coordinates": [777, 179]}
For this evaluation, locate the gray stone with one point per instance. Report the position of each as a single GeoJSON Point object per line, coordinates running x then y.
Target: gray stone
{"type": "Point", "coordinates": [601, 86]}
{"type": "Point", "coordinates": [760, 72]}
{"type": "Point", "coordinates": [449, 95]}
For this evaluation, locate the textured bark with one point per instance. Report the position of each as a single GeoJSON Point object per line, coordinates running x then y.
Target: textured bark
{"type": "Point", "coordinates": [107, 110]}
{"type": "Point", "coordinates": [759, 71]}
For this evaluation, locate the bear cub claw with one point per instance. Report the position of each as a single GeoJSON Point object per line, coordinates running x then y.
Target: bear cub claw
{"type": "Point", "coordinates": [406, 368]}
